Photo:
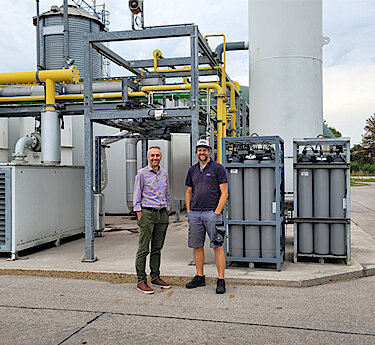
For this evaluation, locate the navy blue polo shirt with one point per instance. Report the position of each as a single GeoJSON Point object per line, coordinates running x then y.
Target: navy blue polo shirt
{"type": "Point", "coordinates": [206, 185]}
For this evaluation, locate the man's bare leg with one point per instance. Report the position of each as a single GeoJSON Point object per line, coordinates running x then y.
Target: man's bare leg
{"type": "Point", "coordinates": [199, 260]}
{"type": "Point", "coordinates": [220, 261]}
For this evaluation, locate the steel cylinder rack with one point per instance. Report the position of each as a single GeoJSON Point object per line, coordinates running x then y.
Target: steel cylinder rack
{"type": "Point", "coordinates": [255, 213]}
{"type": "Point", "coordinates": [322, 198]}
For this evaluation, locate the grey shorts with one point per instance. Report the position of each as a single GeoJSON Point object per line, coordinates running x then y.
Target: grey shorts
{"type": "Point", "coordinates": [201, 222]}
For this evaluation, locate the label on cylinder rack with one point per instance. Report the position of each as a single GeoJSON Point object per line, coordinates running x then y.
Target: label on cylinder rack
{"type": "Point", "coordinates": [274, 207]}
{"type": "Point", "coordinates": [344, 203]}
{"type": "Point", "coordinates": [234, 171]}
{"type": "Point", "coordinates": [304, 173]}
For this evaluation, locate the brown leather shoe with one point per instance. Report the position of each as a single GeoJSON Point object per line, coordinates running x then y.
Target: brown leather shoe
{"type": "Point", "coordinates": [143, 286]}
{"type": "Point", "coordinates": [161, 283]}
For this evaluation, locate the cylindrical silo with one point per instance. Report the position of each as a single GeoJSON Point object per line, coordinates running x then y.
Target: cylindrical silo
{"type": "Point", "coordinates": [251, 208]}
{"type": "Point", "coordinates": [51, 29]}
{"type": "Point", "coordinates": [321, 210]}
{"type": "Point", "coordinates": [236, 240]}
{"type": "Point", "coordinates": [131, 169]}
{"type": "Point", "coordinates": [305, 210]}
{"type": "Point", "coordinates": [285, 47]}
{"type": "Point", "coordinates": [268, 209]}
{"type": "Point", "coordinates": [337, 210]}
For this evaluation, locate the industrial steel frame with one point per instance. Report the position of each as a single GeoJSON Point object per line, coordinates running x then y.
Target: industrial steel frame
{"type": "Point", "coordinates": [169, 115]}
{"type": "Point", "coordinates": [279, 222]}
{"type": "Point", "coordinates": [314, 220]}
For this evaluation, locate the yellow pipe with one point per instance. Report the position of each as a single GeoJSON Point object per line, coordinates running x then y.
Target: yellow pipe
{"type": "Point", "coordinates": [220, 106]}
{"type": "Point", "coordinates": [232, 109]}
{"type": "Point", "coordinates": [71, 75]}
{"type": "Point", "coordinates": [238, 86]}
{"type": "Point", "coordinates": [49, 77]}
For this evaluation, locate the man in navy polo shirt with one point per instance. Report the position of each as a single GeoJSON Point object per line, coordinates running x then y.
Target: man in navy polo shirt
{"type": "Point", "coordinates": [206, 195]}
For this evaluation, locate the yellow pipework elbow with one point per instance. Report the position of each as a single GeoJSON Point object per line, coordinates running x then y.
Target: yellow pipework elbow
{"type": "Point", "coordinates": [238, 86]}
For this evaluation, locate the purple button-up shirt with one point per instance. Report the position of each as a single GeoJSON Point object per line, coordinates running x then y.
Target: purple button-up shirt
{"type": "Point", "coordinates": [151, 189]}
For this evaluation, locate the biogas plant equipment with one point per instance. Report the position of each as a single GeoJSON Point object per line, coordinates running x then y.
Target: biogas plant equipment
{"type": "Point", "coordinates": [69, 111]}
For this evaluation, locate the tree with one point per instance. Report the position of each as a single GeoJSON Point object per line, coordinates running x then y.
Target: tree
{"type": "Point", "coordinates": [334, 131]}
{"type": "Point", "coordinates": [368, 139]}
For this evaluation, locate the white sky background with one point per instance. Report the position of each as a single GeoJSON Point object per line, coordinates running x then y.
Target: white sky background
{"type": "Point", "coordinates": [349, 59]}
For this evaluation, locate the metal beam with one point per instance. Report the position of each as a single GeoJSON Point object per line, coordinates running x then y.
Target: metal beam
{"type": "Point", "coordinates": [138, 114]}
{"type": "Point", "coordinates": [114, 57]}
{"type": "Point", "coordinates": [168, 62]}
{"type": "Point", "coordinates": [148, 33]}
{"type": "Point", "coordinates": [206, 50]}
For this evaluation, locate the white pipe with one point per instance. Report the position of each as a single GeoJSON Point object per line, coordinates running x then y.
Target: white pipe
{"type": "Point", "coordinates": [51, 138]}
{"type": "Point", "coordinates": [19, 151]}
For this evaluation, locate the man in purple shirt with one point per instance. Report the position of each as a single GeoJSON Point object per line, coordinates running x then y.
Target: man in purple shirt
{"type": "Point", "coordinates": [206, 195]}
{"type": "Point", "coordinates": [151, 204]}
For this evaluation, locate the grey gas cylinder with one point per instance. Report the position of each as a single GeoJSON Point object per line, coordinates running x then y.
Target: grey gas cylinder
{"type": "Point", "coordinates": [305, 210]}
{"type": "Point", "coordinates": [337, 209]}
{"type": "Point", "coordinates": [236, 241]}
{"type": "Point", "coordinates": [268, 209]}
{"type": "Point", "coordinates": [251, 209]}
{"type": "Point", "coordinates": [321, 209]}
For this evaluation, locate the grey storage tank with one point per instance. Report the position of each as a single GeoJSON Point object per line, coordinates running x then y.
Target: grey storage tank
{"type": "Point", "coordinates": [51, 37]}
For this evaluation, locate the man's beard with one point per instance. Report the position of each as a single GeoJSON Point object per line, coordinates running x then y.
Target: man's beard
{"type": "Point", "coordinates": [204, 159]}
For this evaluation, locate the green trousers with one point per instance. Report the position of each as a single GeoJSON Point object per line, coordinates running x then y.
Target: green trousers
{"type": "Point", "coordinates": [152, 228]}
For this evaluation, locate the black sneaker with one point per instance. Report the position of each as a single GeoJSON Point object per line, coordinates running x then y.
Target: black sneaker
{"type": "Point", "coordinates": [220, 286]}
{"type": "Point", "coordinates": [197, 281]}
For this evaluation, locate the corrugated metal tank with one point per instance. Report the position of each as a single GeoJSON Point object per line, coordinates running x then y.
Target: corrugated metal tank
{"type": "Point", "coordinates": [285, 45]}
{"type": "Point", "coordinates": [51, 26]}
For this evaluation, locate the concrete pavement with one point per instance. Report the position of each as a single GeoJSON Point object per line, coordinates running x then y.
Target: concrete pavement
{"type": "Point", "coordinates": [39, 311]}
{"type": "Point", "coordinates": [116, 252]}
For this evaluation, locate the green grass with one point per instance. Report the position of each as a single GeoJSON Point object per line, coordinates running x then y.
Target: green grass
{"type": "Point", "coordinates": [364, 179]}
{"type": "Point", "coordinates": [357, 183]}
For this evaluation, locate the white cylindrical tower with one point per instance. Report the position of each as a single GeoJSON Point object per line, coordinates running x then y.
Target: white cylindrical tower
{"type": "Point", "coordinates": [285, 45]}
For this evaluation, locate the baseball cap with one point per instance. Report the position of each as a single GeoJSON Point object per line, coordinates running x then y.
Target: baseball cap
{"type": "Point", "coordinates": [203, 142]}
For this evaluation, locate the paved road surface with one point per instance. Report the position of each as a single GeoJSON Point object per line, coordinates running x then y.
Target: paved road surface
{"type": "Point", "coordinates": [36, 310]}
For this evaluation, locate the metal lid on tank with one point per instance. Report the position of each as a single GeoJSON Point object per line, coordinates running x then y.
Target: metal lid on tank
{"type": "Point", "coordinates": [72, 11]}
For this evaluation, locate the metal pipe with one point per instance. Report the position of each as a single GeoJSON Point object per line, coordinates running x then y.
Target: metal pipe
{"type": "Point", "coordinates": [38, 66]}
{"type": "Point", "coordinates": [51, 137]}
{"type": "Point", "coordinates": [231, 46]}
{"type": "Point", "coordinates": [67, 75]}
{"type": "Point", "coordinates": [130, 169]}
{"type": "Point", "coordinates": [22, 143]}
{"type": "Point", "coordinates": [220, 106]}
{"type": "Point", "coordinates": [66, 31]}
{"type": "Point", "coordinates": [232, 109]}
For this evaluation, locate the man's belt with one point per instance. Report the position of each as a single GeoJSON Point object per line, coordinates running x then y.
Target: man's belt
{"type": "Point", "coordinates": [158, 210]}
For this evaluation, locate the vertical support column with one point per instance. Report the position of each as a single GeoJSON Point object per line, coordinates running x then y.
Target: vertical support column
{"type": "Point", "coordinates": [144, 152]}
{"type": "Point", "coordinates": [66, 31]}
{"type": "Point", "coordinates": [124, 89]}
{"type": "Point", "coordinates": [194, 92]}
{"type": "Point", "coordinates": [88, 131]}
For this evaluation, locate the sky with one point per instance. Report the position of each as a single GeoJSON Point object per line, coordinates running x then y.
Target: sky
{"type": "Point", "coordinates": [348, 60]}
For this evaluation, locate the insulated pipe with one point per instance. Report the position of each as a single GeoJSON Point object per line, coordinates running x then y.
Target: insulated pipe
{"type": "Point", "coordinates": [231, 46]}
{"type": "Point", "coordinates": [70, 97]}
{"type": "Point", "coordinates": [22, 143]}
{"type": "Point", "coordinates": [51, 137]}
{"type": "Point", "coordinates": [130, 169]}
